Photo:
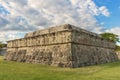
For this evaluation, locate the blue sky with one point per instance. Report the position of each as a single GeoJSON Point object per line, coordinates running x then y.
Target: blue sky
{"type": "Point", "coordinates": [18, 17]}
{"type": "Point", "coordinates": [114, 8]}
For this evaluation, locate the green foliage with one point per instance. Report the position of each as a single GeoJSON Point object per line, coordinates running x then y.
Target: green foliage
{"type": "Point", "coordinates": [2, 45]}
{"type": "Point", "coordinates": [117, 48]}
{"type": "Point", "coordinates": [110, 36]}
{"type": "Point", "coordinates": [24, 71]}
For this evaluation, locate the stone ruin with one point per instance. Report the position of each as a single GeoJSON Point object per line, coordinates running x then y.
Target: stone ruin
{"type": "Point", "coordinates": [63, 46]}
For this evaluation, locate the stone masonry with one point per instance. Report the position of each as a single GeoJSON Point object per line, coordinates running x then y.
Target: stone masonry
{"type": "Point", "coordinates": [63, 46]}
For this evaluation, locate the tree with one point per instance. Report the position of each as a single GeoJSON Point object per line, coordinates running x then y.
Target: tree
{"type": "Point", "coordinates": [117, 48]}
{"type": "Point", "coordinates": [2, 45]}
{"type": "Point", "coordinates": [110, 36]}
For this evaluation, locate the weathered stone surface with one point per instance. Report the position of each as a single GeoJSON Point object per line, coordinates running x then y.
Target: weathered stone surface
{"type": "Point", "coordinates": [118, 54]}
{"type": "Point", "coordinates": [88, 55]}
{"type": "Point", "coordinates": [64, 46]}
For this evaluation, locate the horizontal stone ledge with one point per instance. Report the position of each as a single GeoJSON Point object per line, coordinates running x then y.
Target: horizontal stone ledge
{"type": "Point", "coordinates": [64, 43]}
{"type": "Point", "coordinates": [92, 45]}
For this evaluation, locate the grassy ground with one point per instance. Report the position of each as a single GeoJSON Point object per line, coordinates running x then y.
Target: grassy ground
{"type": "Point", "coordinates": [24, 71]}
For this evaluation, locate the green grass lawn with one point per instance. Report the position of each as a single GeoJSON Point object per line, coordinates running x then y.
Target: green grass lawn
{"type": "Point", "coordinates": [24, 71]}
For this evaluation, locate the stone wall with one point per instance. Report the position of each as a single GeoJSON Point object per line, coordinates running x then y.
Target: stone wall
{"type": "Point", "coordinates": [64, 46]}
{"type": "Point", "coordinates": [50, 46]}
{"type": "Point", "coordinates": [56, 55]}
{"type": "Point", "coordinates": [83, 55]}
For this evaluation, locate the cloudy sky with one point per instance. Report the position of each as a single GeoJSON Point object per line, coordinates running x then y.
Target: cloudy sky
{"type": "Point", "coordinates": [18, 17]}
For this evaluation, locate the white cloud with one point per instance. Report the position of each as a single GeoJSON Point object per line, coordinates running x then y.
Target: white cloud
{"type": "Point", "coordinates": [29, 15]}
{"type": "Point", "coordinates": [10, 35]}
{"type": "Point", "coordinates": [104, 11]}
{"type": "Point", "coordinates": [115, 30]}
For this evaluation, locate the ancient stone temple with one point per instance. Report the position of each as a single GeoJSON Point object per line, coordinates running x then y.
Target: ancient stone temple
{"type": "Point", "coordinates": [64, 46]}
